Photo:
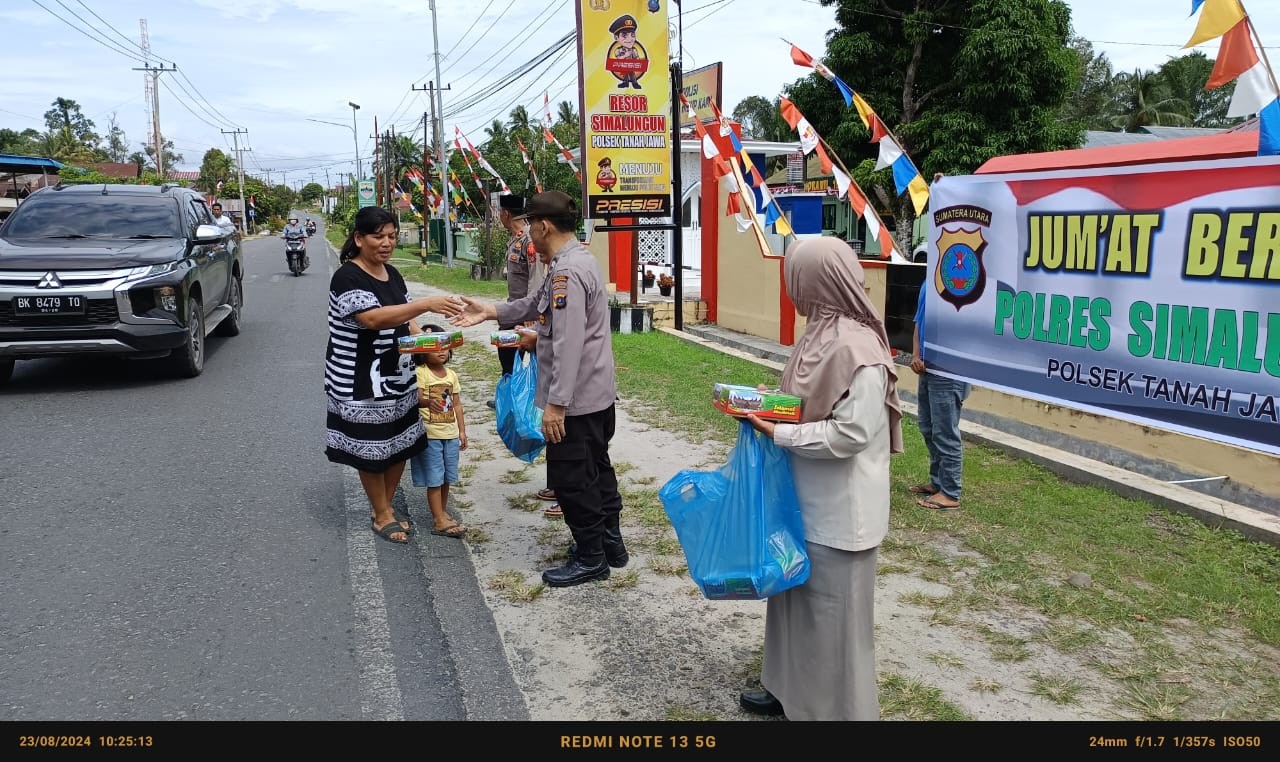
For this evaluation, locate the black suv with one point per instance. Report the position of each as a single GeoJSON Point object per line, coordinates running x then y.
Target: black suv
{"type": "Point", "coordinates": [133, 270]}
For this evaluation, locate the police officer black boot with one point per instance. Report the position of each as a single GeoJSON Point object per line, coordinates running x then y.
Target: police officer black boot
{"type": "Point", "coordinates": [615, 551]}
{"type": "Point", "coordinates": [584, 567]}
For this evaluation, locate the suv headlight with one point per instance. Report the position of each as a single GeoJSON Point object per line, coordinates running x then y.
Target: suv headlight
{"type": "Point", "coordinates": [160, 269]}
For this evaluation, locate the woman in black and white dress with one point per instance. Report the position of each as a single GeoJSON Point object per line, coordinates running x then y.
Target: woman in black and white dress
{"type": "Point", "coordinates": [373, 421]}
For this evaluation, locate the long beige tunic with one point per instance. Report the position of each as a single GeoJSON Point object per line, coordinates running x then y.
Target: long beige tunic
{"type": "Point", "coordinates": [819, 646]}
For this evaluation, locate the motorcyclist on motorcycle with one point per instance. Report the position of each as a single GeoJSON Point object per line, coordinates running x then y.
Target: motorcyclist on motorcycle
{"type": "Point", "coordinates": [310, 226]}
{"type": "Point", "coordinates": [295, 232]}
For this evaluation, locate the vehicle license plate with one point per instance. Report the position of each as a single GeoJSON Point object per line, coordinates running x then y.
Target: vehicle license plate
{"type": "Point", "coordinates": [62, 304]}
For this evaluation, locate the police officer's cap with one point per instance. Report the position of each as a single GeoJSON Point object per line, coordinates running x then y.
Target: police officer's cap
{"type": "Point", "coordinates": [605, 162]}
{"type": "Point", "coordinates": [512, 202]}
{"type": "Point", "coordinates": [552, 203]}
{"type": "Point", "coordinates": [625, 23]}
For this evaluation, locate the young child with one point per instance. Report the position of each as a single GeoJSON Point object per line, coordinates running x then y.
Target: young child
{"type": "Point", "coordinates": [440, 403]}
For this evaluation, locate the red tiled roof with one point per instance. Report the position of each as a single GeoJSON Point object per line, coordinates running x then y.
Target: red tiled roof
{"type": "Point", "coordinates": [119, 170]}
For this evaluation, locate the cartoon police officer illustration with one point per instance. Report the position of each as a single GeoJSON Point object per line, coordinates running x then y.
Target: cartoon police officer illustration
{"type": "Point", "coordinates": [625, 48]}
{"type": "Point", "coordinates": [606, 178]}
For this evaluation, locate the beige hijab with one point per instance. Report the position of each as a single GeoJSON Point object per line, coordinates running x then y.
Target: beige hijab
{"type": "Point", "coordinates": [844, 333]}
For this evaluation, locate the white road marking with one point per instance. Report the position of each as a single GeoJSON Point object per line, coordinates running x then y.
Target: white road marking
{"type": "Point", "coordinates": [380, 697]}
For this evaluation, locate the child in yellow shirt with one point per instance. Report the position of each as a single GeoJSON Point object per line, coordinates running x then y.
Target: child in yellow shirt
{"type": "Point", "coordinates": [440, 404]}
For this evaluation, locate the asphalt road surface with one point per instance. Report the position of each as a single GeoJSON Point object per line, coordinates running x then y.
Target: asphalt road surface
{"type": "Point", "coordinates": [182, 550]}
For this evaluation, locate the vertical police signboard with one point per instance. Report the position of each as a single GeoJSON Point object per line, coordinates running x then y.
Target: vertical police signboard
{"type": "Point", "coordinates": [625, 85]}
{"type": "Point", "coordinates": [366, 194]}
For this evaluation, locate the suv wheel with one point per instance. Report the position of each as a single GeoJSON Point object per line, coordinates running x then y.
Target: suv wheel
{"type": "Point", "coordinates": [6, 371]}
{"type": "Point", "coordinates": [230, 325]}
{"type": "Point", "coordinates": [188, 359]}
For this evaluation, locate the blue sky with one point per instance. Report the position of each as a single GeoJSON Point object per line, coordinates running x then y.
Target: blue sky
{"type": "Point", "coordinates": [270, 65]}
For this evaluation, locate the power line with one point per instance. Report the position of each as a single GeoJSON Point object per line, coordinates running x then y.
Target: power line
{"type": "Point", "coordinates": [481, 37]}
{"type": "Point", "coordinates": [509, 79]}
{"type": "Point", "coordinates": [118, 34]}
{"type": "Point", "coordinates": [86, 34]}
{"type": "Point", "coordinates": [516, 41]}
{"type": "Point", "coordinates": [464, 34]}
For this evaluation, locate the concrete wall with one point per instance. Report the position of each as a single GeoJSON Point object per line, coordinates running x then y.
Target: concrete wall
{"type": "Point", "coordinates": [749, 284]}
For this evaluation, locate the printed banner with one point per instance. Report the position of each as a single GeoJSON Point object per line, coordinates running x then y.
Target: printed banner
{"type": "Point", "coordinates": [625, 86]}
{"type": "Point", "coordinates": [365, 194]}
{"type": "Point", "coordinates": [1149, 293]}
{"type": "Point", "coordinates": [701, 87]}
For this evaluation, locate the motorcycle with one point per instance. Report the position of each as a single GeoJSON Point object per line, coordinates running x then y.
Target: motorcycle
{"type": "Point", "coordinates": [311, 228]}
{"type": "Point", "coordinates": [295, 251]}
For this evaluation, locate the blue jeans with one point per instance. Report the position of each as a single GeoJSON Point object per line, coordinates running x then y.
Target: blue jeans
{"type": "Point", "coordinates": [437, 465]}
{"type": "Point", "coordinates": [940, 400]}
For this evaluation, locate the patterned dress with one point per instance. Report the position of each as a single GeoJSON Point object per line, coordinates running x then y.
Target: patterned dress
{"type": "Point", "coordinates": [373, 420]}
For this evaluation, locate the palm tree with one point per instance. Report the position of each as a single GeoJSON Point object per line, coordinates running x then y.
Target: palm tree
{"type": "Point", "coordinates": [63, 145]}
{"type": "Point", "coordinates": [406, 154]}
{"type": "Point", "coordinates": [567, 114]}
{"type": "Point", "coordinates": [521, 124]}
{"type": "Point", "coordinates": [496, 131]}
{"type": "Point", "coordinates": [1144, 98]}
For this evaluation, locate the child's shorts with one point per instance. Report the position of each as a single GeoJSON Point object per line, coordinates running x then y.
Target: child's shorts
{"type": "Point", "coordinates": [437, 465]}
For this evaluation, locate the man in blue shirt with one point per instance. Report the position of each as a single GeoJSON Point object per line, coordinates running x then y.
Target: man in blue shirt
{"type": "Point", "coordinates": [940, 400]}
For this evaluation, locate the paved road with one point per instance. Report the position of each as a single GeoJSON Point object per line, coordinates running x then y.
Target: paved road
{"type": "Point", "coordinates": [181, 549]}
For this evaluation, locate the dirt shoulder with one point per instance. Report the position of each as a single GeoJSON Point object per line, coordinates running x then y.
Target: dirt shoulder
{"type": "Point", "coordinates": [645, 645]}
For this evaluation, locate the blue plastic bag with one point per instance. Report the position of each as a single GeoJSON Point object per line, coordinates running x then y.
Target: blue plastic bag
{"type": "Point", "coordinates": [519, 419]}
{"type": "Point", "coordinates": [740, 526]}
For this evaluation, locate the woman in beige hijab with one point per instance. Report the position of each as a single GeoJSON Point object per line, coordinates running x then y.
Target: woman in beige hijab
{"type": "Point", "coordinates": [819, 649]}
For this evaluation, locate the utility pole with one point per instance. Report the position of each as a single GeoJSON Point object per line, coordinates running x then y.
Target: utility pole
{"type": "Point", "coordinates": [325, 203]}
{"type": "Point", "coordinates": [436, 134]}
{"type": "Point", "coordinates": [244, 210]}
{"type": "Point", "coordinates": [444, 166]}
{"type": "Point", "coordinates": [377, 181]}
{"type": "Point", "coordinates": [391, 170]}
{"type": "Point", "coordinates": [156, 139]}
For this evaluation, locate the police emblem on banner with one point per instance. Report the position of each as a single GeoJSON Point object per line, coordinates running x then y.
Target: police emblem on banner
{"type": "Point", "coordinates": [959, 275]}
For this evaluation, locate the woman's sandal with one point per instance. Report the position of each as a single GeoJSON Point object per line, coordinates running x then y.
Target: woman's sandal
{"type": "Point", "coordinates": [553, 511]}
{"type": "Point", "coordinates": [923, 489]}
{"type": "Point", "coordinates": [546, 494]}
{"type": "Point", "coordinates": [392, 527]}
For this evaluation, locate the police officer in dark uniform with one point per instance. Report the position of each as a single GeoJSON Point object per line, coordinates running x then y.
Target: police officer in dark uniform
{"type": "Point", "coordinates": [576, 386]}
{"type": "Point", "coordinates": [624, 30]}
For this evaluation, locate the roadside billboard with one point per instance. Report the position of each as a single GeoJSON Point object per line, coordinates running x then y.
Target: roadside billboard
{"type": "Point", "coordinates": [1145, 293]}
{"type": "Point", "coordinates": [625, 90]}
{"type": "Point", "coordinates": [700, 88]}
{"type": "Point", "coordinates": [365, 194]}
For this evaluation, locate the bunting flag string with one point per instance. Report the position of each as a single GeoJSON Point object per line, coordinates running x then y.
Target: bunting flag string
{"type": "Point", "coordinates": [482, 162]}
{"type": "Point", "coordinates": [1257, 91]}
{"type": "Point", "coordinates": [845, 184]}
{"type": "Point", "coordinates": [768, 203]}
{"type": "Point", "coordinates": [568, 157]}
{"type": "Point", "coordinates": [474, 177]}
{"type": "Point", "coordinates": [906, 178]}
{"type": "Point", "coordinates": [524, 156]}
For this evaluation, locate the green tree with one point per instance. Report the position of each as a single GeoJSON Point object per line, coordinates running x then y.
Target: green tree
{"type": "Point", "coordinates": [117, 147]}
{"type": "Point", "coordinates": [1185, 78]}
{"type": "Point", "coordinates": [146, 158]}
{"type": "Point", "coordinates": [957, 82]}
{"type": "Point", "coordinates": [1088, 103]}
{"type": "Point", "coordinates": [311, 193]}
{"type": "Point", "coordinates": [216, 167]}
{"type": "Point", "coordinates": [1144, 98]}
{"type": "Point", "coordinates": [65, 115]}
{"type": "Point", "coordinates": [63, 145]}
{"type": "Point", "coordinates": [22, 143]}
{"type": "Point", "coordinates": [761, 119]}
